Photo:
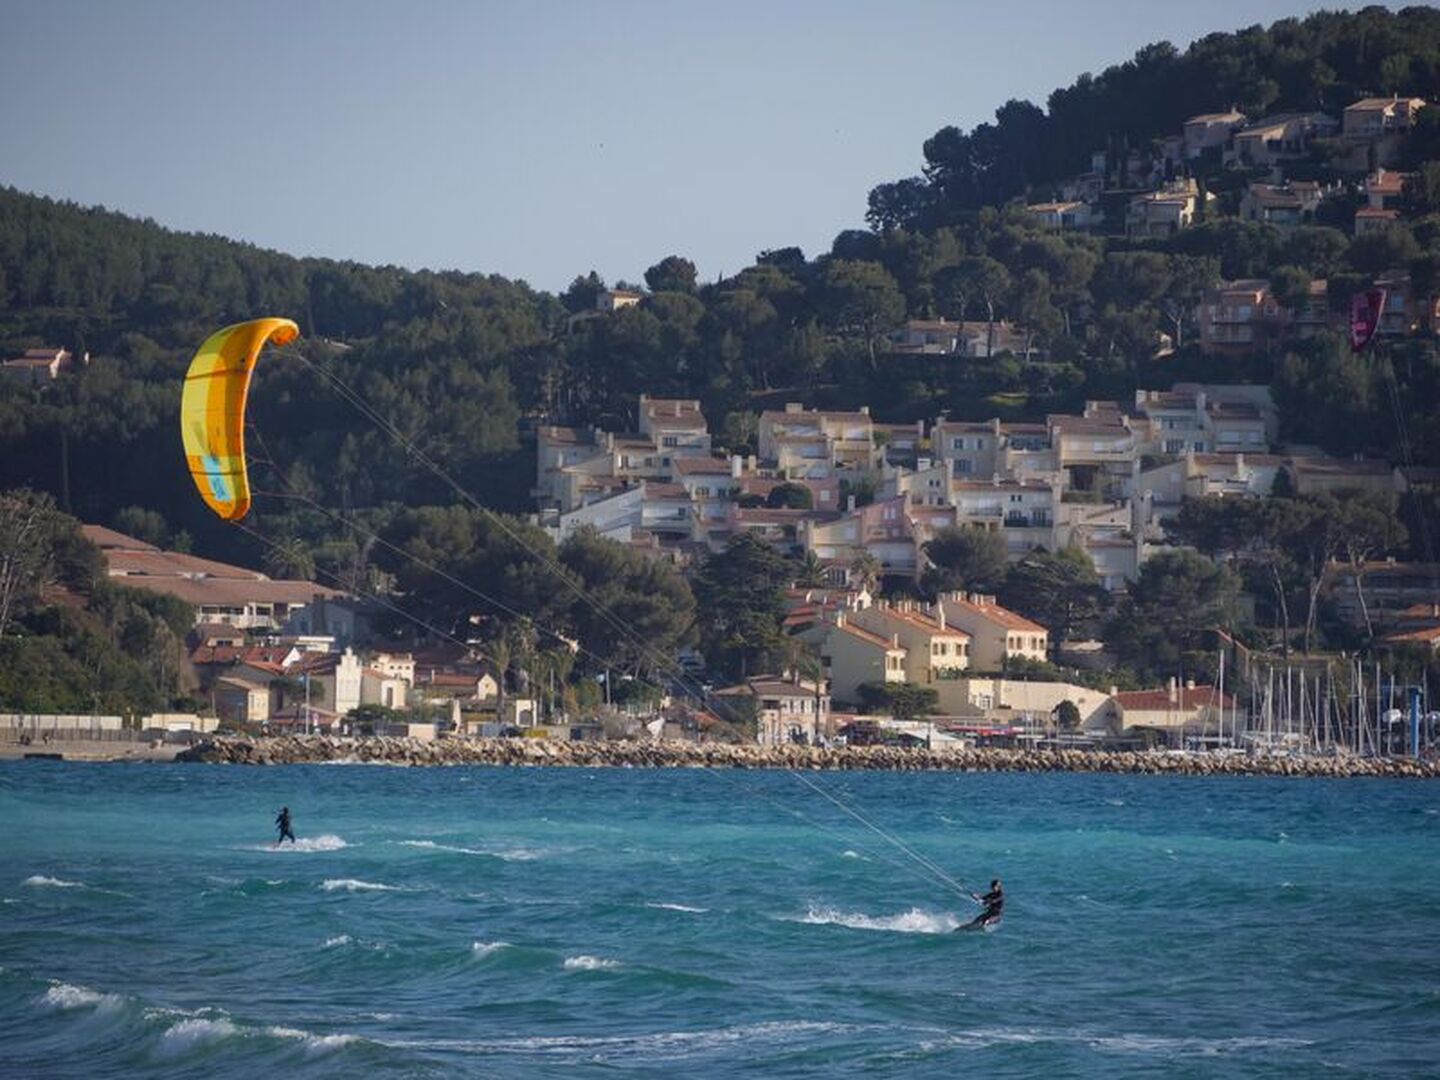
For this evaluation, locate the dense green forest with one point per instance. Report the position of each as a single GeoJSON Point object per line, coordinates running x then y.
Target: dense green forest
{"type": "Point", "coordinates": [464, 365]}
{"type": "Point", "coordinates": [1318, 64]}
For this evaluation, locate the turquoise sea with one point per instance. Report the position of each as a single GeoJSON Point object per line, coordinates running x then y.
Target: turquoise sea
{"type": "Point", "coordinates": [554, 922]}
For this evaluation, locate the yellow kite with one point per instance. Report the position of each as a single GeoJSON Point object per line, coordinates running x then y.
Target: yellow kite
{"type": "Point", "coordinates": [212, 410]}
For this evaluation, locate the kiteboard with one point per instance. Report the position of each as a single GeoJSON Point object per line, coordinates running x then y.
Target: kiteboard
{"type": "Point", "coordinates": [979, 927]}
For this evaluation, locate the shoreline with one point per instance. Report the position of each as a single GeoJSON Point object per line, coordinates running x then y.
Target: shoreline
{"type": "Point", "coordinates": [323, 749]}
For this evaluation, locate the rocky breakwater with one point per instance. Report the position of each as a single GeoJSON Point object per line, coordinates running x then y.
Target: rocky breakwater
{"type": "Point", "coordinates": [314, 749]}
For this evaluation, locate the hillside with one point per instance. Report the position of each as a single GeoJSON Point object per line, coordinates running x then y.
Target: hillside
{"type": "Point", "coordinates": [460, 361]}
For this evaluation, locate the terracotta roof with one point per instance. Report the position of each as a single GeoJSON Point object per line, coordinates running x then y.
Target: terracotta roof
{"type": "Point", "coordinates": [870, 637]}
{"type": "Point", "coordinates": [920, 621]}
{"type": "Point", "coordinates": [230, 593]}
{"type": "Point", "coordinates": [1083, 425]}
{"type": "Point", "coordinates": [1186, 700]}
{"type": "Point", "coordinates": [233, 654]}
{"type": "Point", "coordinates": [673, 413]}
{"type": "Point", "coordinates": [235, 683]}
{"type": "Point", "coordinates": [1425, 633]}
{"type": "Point", "coordinates": [696, 466]}
{"type": "Point", "coordinates": [1368, 104]}
{"type": "Point", "coordinates": [815, 416]}
{"type": "Point", "coordinates": [656, 490]}
{"type": "Point", "coordinates": [772, 686]}
{"type": "Point", "coordinates": [107, 539]}
{"type": "Point", "coordinates": [995, 613]}
{"type": "Point", "coordinates": [155, 563]}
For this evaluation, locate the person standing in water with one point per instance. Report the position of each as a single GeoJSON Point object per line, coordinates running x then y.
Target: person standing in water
{"type": "Point", "coordinates": [282, 822]}
{"type": "Point", "coordinates": [994, 902]}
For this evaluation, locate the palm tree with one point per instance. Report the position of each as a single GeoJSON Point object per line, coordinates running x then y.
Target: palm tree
{"type": "Point", "coordinates": [561, 662]}
{"type": "Point", "coordinates": [501, 655]}
{"type": "Point", "coordinates": [811, 572]}
{"type": "Point", "coordinates": [865, 570]}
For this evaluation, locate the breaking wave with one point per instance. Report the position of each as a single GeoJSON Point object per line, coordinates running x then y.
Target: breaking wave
{"type": "Point", "coordinates": [589, 963]}
{"type": "Point", "coordinates": [356, 885]}
{"type": "Point", "coordinates": [40, 881]}
{"type": "Point", "coordinates": [913, 921]}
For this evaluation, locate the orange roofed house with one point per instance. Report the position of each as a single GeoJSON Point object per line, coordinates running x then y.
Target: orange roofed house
{"type": "Point", "coordinates": [220, 593]}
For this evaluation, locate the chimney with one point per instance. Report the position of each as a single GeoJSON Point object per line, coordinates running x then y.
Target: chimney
{"type": "Point", "coordinates": [850, 502]}
{"type": "Point", "coordinates": [737, 466]}
{"type": "Point", "coordinates": [940, 611]}
{"type": "Point", "coordinates": [865, 409]}
{"type": "Point", "coordinates": [1173, 690]}
{"type": "Point", "coordinates": [794, 407]}
{"type": "Point", "coordinates": [1201, 400]}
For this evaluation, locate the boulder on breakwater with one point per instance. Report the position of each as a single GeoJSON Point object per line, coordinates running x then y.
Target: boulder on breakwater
{"type": "Point", "coordinates": [313, 749]}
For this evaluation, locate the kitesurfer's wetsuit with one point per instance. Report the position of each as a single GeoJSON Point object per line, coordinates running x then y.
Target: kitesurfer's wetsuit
{"type": "Point", "coordinates": [994, 902]}
{"type": "Point", "coordinates": [282, 822]}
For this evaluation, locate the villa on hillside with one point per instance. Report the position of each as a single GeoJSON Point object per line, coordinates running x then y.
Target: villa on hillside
{"type": "Point", "coordinates": [220, 593]}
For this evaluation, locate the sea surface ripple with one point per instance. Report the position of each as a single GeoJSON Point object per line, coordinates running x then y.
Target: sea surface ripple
{"type": "Point", "coordinates": [570, 922]}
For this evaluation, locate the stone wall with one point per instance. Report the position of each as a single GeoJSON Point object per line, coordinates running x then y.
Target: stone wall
{"type": "Point", "coordinates": [302, 749]}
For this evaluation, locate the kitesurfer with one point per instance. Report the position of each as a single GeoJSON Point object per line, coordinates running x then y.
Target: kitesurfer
{"type": "Point", "coordinates": [282, 822]}
{"type": "Point", "coordinates": [994, 907]}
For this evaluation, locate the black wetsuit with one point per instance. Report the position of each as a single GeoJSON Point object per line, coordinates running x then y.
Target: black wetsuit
{"type": "Point", "coordinates": [994, 902]}
{"type": "Point", "coordinates": [282, 822]}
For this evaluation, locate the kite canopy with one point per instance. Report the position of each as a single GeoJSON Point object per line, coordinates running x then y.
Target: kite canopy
{"type": "Point", "coordinates": [212, 411]}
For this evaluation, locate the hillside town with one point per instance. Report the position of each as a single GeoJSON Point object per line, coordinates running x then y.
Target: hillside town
{"type": "Point", "coordinates": [1008, 426]}
{"type": "Point", "coordinates": [860, 502]}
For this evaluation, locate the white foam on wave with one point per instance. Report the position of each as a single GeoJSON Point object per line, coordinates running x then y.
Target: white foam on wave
{"type": "Point", "coordinates": [187, 1035]}
{"type": "Point", "coordinates": [589, 963]}
{"type": "Point", "coordinates": [356, 885]}
{"type": "Point", "coordinates": [485, 948]}
{"type": "Point", "coordinates": [678, 907]}
{"type": "Point", "coordinates": [517, 854]}
{"type": "Point", "coordinates": [651, 1046]}
{"type": "Point", "coordinates": [848, 854]}
{"type": "Point", "coordinates": [1127, 1043]}
{"type": "Point", "coordinates": [40, 881]}
{"type": "Point", "coordinates": [336, 941]}
{"type": "Point", "coordinates": [913, 921]}
{"type": "Point", "coordinates": [306, 844]}
{"type": "Point", "coordinates": [64, 996]}
{"type": "Point", "coordinates": [314, 1044]}
{"type": "Point", "coordinates": [431, 845]}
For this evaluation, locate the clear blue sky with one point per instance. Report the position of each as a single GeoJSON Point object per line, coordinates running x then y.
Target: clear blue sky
{"type": "Point", "coordinates": [532, 139]}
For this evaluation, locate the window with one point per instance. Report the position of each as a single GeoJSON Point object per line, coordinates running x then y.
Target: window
{"type": "Point", "coordinates": [670, 440]}
{"type": "Point", "coordinates": [962, 466]}
{"type": "Point", "coordinates": [957, 444]}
